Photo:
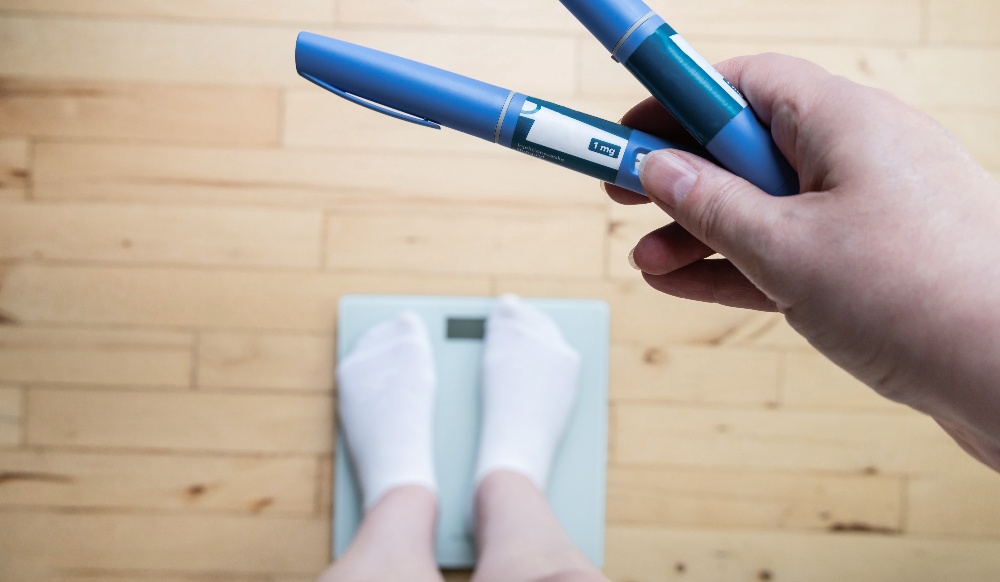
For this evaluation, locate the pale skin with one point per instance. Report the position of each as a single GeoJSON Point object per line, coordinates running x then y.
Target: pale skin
{"type": "Point", "coordinates": [517, 535]}
{"type": "Point", "coordinates": [888, 263]}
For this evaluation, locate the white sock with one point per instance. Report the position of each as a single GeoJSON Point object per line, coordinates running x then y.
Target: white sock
{"type": "Point", "coordinates": [386, 403]}
{"type": "Point", "coordinates": [529, 382]}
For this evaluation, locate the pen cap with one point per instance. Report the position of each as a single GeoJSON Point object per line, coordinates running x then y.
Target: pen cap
{"type": "Point", "coordinates": [608, 20]}
{"type": "Point", "coordinates": [420, 90]}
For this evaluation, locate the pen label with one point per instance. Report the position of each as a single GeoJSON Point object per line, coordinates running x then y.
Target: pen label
{"type": "Point", "coordinates": [709, 70]}
{"type": "Point", "coordinates": [697, 95]}
{"type": "Point", "coordinates": [575, 140]}
{"type": "Point", "coordinates": [605, 149]}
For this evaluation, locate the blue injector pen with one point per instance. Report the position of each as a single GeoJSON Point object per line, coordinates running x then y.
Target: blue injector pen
{"type": "Point", "coordinates": [690, 88]}
{"type": "Point", "coordinates": [433, 97]}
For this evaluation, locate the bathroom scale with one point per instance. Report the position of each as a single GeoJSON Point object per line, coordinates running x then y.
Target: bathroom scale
{"type": "Point", "coordinates": [577, 482]}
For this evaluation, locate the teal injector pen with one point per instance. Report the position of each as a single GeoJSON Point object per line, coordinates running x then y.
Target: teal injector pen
{"type": "Point", "coordinates": [690, 88]}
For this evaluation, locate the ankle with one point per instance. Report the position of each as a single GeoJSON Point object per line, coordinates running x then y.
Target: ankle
{"type": "Point", "coordinates": [397, 529]}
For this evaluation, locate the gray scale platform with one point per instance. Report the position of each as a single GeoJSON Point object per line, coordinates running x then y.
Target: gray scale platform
{"type": "Point", "coordinates": [577, 484]}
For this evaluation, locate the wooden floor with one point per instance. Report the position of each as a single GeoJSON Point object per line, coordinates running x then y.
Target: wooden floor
{"type": "Point", "coordinates": [179, 214]}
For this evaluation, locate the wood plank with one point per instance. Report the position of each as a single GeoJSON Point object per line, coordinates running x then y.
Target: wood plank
{"type": "Point", "coordinates": [161, 234]}
{"type": "Point", "coordinates": [638, 313]}
{"type": "Point", "coordinates": [927, 77]}
{"type": "Point", "coordinates": [232, 300]}
{"type": "Point", "coordinates": [244, 116]}
{"type": "Point", "coordinates": [49, 48]}
{"type": "Point", "coordinates": [133, 576]}
{"type": "Point", "coordinates": [269, 362]}
{"type": "Point", "coordinates": [682, 496]}
{"type": "Point", "coordinates": [249, 423]}
{"type": "Point", "coordinates": [117, 358]}
{"type": "Point", "coordinates": [646, 553]}
{"type": "Point", "coordinates": [14, 172]}
{"type": "Point", "coordinates": [240, 10]}
{"type": "Point", "coordinates": [628, 224]}
{"type": "Point", "coordinates": [851, 20]}
{"type": "Point", "coordinates": [855, 21]}
{"type": "Point", "coordinates": [955, 505]}
{"type": "Point", "coordinates": [37, 545]}
{"type": "Point", "coordinates": [315, 118]}
{"type": "Point", "coordinates": [166, 482]}
{"type": "Point", "coordinates": [809, 380]}
{"type": "Point", "coordinates": [468, 240]}
{"type": "Point", "coordinates": [963, 21]}
{"type": "Point", "coordinates": [11, 408]}
{"type": "Point", "coordinates": [655, 373]}
{"type": "Point", "coordinates": [296, 177]}
{"type": "Point", "coordinates": [768, 330]}
{"type": "Point", "coordinates": [519, 15]}
{"type": "Point", "coordinates": [865, 442]}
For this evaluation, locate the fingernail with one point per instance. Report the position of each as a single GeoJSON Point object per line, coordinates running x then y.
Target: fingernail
{"type": "Point", "coordinates": [631, 260]}
{"type": "Point", "coordinates": [667, 177]}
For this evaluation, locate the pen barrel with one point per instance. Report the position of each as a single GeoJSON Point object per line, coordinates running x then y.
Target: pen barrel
{"type": "Point", "coordinates": [407, 86]}
{"type": "Point", "coordinates": [690, 88]}
{"type": "Point", "coordinates": [685, 83]}
{"type": "Point", "coordinates": [586, 144]}
{"type": "Point", "coordinates": [711, 110]}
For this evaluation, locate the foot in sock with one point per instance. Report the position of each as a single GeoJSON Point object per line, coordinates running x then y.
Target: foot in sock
{"type": "Point", "coordinates": [386, 401]}
{"type": "Point", "coordinates": [529, 388]}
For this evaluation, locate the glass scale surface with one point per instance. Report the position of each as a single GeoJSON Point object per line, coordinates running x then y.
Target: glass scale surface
{"type": "Point", "coordinates": [577, 485]}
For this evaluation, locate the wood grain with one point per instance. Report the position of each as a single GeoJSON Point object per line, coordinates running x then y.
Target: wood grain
{"type": "Point", "coordinates": [682, 496]}
{"type": "Point", "coordinates": [955, 505]}
{"type": "Point", "coordinates": [158, 235]}
{"type": "Point", "coordinates": [50, 543]}
{"type": "Point", "coordinates": [79, 356]}
{"type": "Point", "coordinates": [214, 299]}
{"type": "Point", "coordinates": [467, 241]}
{"type": "Point", "coordinates": [266, 361]}
{"type": "Point", "coordinates": [182, 422]}
{"type": "Point", "coordinates": [254, 10]}
{"type": "Point", "coordinates": [48, 48]}
{"type": "Point", "coordinates": [694, 374]}
{"type": "Point", "coordinates": [913, 73]}
{"type": "Point", "coordinates": [811, 380]}
{"type": "Point", "coordinates": [640, 312]}
{"type": "Point", "coordinates": [854, 20]}
{"type": "Point", "coordinates": [158, 112]}
{"type": "Point", "coordinates": [14, 173]}
{"type": "Point", "coordinates": [180, 213]}
{"type": "Point", "coordinates": [784, 440]}
{"type": "Point", "coordinates": [11, 408]}
{"type": "Point", "coordinates": [627, 225]}
{"type": "Point", "coordinates": [653, 553]}
{"type": "Point", "coordinates": [112, 576]}
{"type": "Point", "coordinates": [963, 22]}
{"type": "Point", "coordinates": [249, 484]}
{"type": "Point", "coordinates": [72, 171]}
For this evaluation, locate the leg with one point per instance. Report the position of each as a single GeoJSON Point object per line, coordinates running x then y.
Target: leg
{"type": "Point", "coordinates": [529, 389]}
{"type": "Point", "coordinates": [519, 537]}
{"type": "Point", "coordinates": [386, 400]}
{"type": "Point", "coordinates": [395, 542]}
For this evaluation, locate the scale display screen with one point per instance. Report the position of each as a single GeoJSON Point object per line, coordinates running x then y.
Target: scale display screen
{"type": "Point", "coordinates": [466, 328]}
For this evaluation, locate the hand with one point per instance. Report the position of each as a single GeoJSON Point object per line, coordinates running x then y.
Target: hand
{"type": "Point", "coordinates": [888, 263]}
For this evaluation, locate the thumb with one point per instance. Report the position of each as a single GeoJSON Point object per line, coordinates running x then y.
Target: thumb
{"type": "Point", "coordinates": [724, 211]}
